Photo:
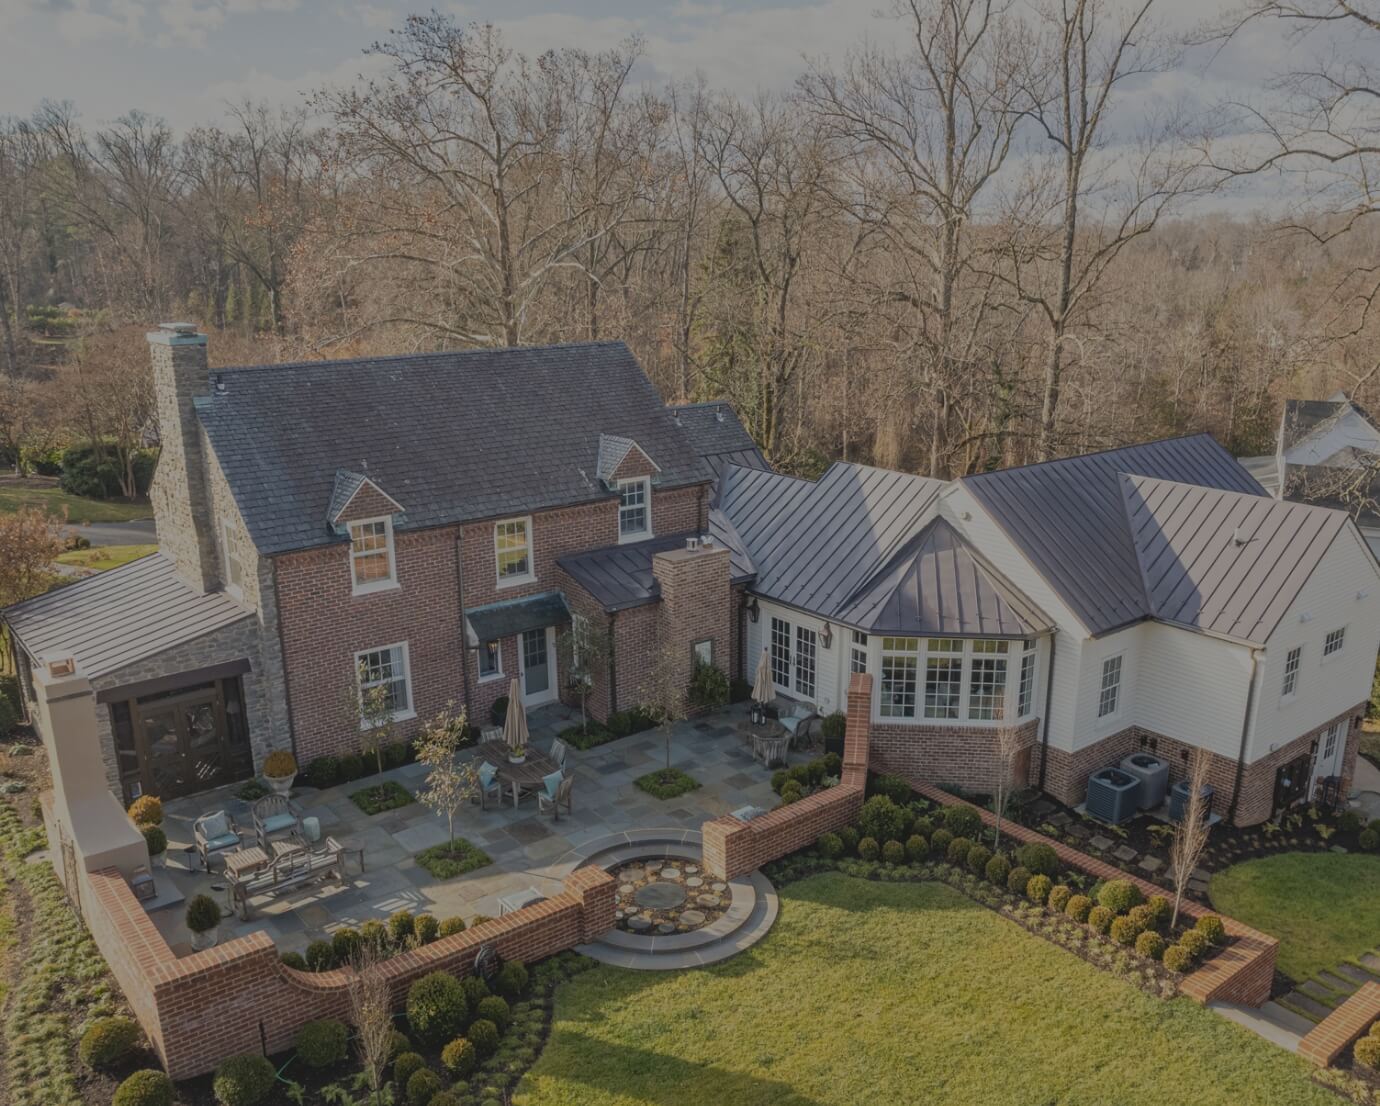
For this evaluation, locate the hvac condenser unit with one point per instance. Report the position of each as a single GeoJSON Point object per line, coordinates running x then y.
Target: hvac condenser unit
{"type": "Point", "coordinates": [1112, 795]}
{"type": "Point", "coordinates": [1153, 774]}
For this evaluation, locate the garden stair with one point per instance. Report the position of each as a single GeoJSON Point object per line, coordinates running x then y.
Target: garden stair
{"type": "Point", "coordinates": [1316, 997]}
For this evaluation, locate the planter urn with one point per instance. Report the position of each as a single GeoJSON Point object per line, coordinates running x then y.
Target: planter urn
{"type": "Point", "coordinates": [206, 939]}
{"type": "Point", "coordinates": [280, 785]}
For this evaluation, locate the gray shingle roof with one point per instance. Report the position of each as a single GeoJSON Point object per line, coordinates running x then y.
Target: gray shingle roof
{"type": "Point", "coordinates": [118, 617]}
{"type": "Point", "coordinates": [453, 436]}
{"type": "Point", "coordinates": [1223, 561]}
{"type": "Point", "coordinates": [937, 585]}
{"type": "Point", "coordinates": [621, 575]}
{"type": "Point", "coordinates": [1069, 519]}
{"type": "Point", "coordinates": [719, 437]}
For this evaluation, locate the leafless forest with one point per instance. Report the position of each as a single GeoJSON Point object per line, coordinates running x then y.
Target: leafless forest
{"type": "Point", "coordinates": [968, 246]}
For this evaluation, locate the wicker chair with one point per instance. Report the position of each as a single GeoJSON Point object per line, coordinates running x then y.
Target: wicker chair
{"type": "Point", "coordinates": [276, 816]}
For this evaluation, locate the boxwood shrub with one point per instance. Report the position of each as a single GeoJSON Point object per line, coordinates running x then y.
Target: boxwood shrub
{"type": "Point", "coordinates": [404, 1065]}
{"type": "Point", "coordinates": [511, 980]}
{"type": "Point", "coordinates": [893, 852]}
{"type": "Point", "coordinates": [459, 1057]}
{"type": "Point", "coordinates": [422, 1086]}
{"type": "Point", "coordinates": [1059, 896]}
{"type": "Point", "coordinates": [1017, 879]}
{"type": "Point", "coordinates": [868, 848]}
{"type": "Point", "coordinates": [1078, 907]}
{"type": "Point", "coordinates": [1160, 910]}
{"type": "Point", "coordinates": [107, 1041]}
{"type": "Point", "coordinates": [977, 859]}
{"type": "Point", "coordinates": [484, 1035]}
{"type": "Point", "coordinates": [962, 821]}
{"type": "Point", "coordinates": [144, 1088]}
{"type": "Point", "coordinates": [940, 840]}
{"type": "Point", "coordinates": [1037, 888]}
{"type": "Point", "coordinates": [850, 837]}
{"type": "Point", "coordinates": [1150, 944]}
{"type": "Point", "coordinates": [322, 1043]}
{"type": "Point", "coordinates": [1366, 1052]}
{"type": "Point", "coordinates": [916, 848]}
{"type": "Point", "coordinates": [1211, 927]}
{"type": "Point", "coordinates": [1177, 958]}
{"type": "Point", "coordinates": [998, 868]}
{"type": "Point", "coordinates": [1040, 859]}
{"type": "Point", "coordinates": [958, 850]}
{"type": "Point", "coordinates": [243, 1081]}
{"type": "Point", "coordinates": [881, 819]}
{"type": "Point", "coordinates": [1119, 895]}
{"type": "Point", "coordinates": [830, 846]}
{"type": "Point", "coordinates": [1125, 929]}
{"type": "Point", "coordinates": [496, 1010]}
{"type": "Point", "coordinates": [1100, 918]}
{"type": "Point", "coordinates": [436, 1008]}
{"type": "Point", "coordinates": [1195, 942]}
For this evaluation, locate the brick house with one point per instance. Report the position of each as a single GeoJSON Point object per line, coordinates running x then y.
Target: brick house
{"type": "Point", "coordinates": [442, 524]}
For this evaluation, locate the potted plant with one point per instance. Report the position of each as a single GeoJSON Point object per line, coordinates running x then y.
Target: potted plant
{"type": "Point", "coordinates": [203, 919]}
{"type": "Point", "coordinates": [147, 810]}
{"type": "Point", "coordinates": [280, 769]}
{"type": "Point", "coordinates": [517, 754]}
{"type": "Point", "coordinates": [157, 841]}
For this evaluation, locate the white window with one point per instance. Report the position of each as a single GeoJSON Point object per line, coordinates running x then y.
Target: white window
{"type": "Point", "coordinates": [987, 682]}
{"type": "Point", "coordinates": [634, 509]}
{"type": "Point", "coordinates": [943, 677]}
{"type": "Point", "coordinates": [1109, 695]}
{"type": "Point", "coordinates": [1025, 688]}
{"type": "Point", "coordinates": [900, 665]}
{"type": "Point", "coordinates": [1333, 642]}
{"type": "Point", "coordinates": [234, 567]}
{"type": "Point", "coordinates": [490, 660]}
{"type": "Point", "coordinates": [387, 668]}
{"type": "Point", "coordinates": [781, 652]}
{"type": "Point", "coordinates": [371, 554]}
{"type": "Point", "coordinates": [513, 551]}
{"type": "Point", "coordinates": [1292, 661]}
{"type": "Point", "coordinates": [805, 662]}
{"type": "Point", "coordinates": [858, 652]}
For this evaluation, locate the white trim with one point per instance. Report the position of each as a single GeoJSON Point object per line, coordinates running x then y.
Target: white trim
{"type": "Point", "coordinates": [384, 583]}
{"type": "Point", "coordinates": [1341, 644]}
{"type": "Point", "coordinates": [530, 575]}
{"type": "Point", "coordinates": [552, 691]}
{"type": "Point", "coordinates": [646, 532]}
{"type": "Point", "coordinates": [497, 673]}
{"type": "Point", "coordinates": [1290, 679]}
{"type": "Point", "coordinates": [1119, 687]}
{"type": "Point", "coordinates": [365, 482]}
{"type": "Point", "coordinates": [401, 648]}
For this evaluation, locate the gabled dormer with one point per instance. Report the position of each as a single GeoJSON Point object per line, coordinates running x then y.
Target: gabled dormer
{"type": "Point", "coordinates": [366, 514]}
{"type": "Point", "coordinates": [625, 468]}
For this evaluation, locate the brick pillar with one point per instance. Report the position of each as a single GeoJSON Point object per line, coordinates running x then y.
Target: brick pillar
{"type": "Point", "coordinates": [695, 605]}
{"type": "Point", "coordinates": [181, 505]}
{"type": "Point", "coordinates": [594, 888]}
{"type": "Point", "coordinates": [855, 738]}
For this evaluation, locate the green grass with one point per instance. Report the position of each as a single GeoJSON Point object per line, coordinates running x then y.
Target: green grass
{"type": "Point", "coordinates": [16, 494]}
{"type": "Point", "coordinates": [388, 795]}
{"type": "Point", "coordinates": [1321, 906]}
{"type": "Point", "coordinates": [667, 783]}
{"type": "Point", "coordinates": [103, 557]}
{"type": "Point", "coordinates": [452, 858]}
{"type": "Point", "coordinates": [897, 993]}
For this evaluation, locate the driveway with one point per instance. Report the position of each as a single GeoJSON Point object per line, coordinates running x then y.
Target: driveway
{"type": "Point", "coordinates": [139, 532]}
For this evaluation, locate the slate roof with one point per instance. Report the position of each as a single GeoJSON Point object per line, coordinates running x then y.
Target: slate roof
{"type": "Point", "coordinates": [814, 544]}
{"type": "Point", "coordinates": [118, 617]}
{"type": "Point", "coordinates": [719, 437]}
{"type": "Point", "coordinates": [1069, 519]}
{"type": "Point", "coordinates": [1223, 561]}
{"type": "Point", "coordinates": [938, 585]}
{"type": "Point", "coordinates": [454, 436]}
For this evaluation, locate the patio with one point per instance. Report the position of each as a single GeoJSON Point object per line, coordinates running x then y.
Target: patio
{"type": "Point", "coordinates": [528, 849]}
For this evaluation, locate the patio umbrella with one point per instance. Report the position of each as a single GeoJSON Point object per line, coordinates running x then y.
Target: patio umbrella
{"type": "Point", "coordinates": [515, 724]}
{"type": "Point", "coordinates": [763, 690]}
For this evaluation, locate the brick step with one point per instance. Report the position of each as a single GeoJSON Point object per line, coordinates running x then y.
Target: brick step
{"type": "Point", "coordinates": [1355, 974]}
{"type": "Point", "coordinates": [1324, 994]}
{"type": "Point", "coordinates": [1337, 982]}
{"type": "Point", "coordinates": [1311, 1009]}
{"type": "Point", "coordinates": [1276, 1014]}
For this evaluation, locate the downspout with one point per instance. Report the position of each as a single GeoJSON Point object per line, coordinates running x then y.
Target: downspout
{"type": "Point", "coordinates": [613, 664]}
{"type": "Point", "coordinates": [1049, 691]}
{"type": "Point", "coordinates": [1245, 734]}
{"type": "Point", "coordinates": [282, 660]}
{"type": "Point", "coordinates": [464, 636]}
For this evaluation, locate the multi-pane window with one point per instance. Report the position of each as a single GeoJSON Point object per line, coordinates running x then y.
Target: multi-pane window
{"type": "Point", "coordinates": [987, 682]}
{"type": "Point", "coordinates": [234, 567]}
{"type": "Point", "coordinates": [943, 677]}
{"type": "Point", "coordinates": [1333, 642]}
{"type": "Point", "coordinates": [490, 659]}
{"type": "Point", "coordinates": [513, 550]}
{"type": "Point", "coordinates": [1292, 660]}
{"type": "Point", "coordinates": [633, 519]}
{"type": "Point", "coordinates": [385, 668]}
{"type": "Point", "coordinates": [1109, 694]}
{"type": "Point", "coordinates": [371, 553]}
{"type": "Point", "coordinates": [857, 652]}
{"type": "Point", "coordinates": [805, 662]}
{"type": "Point", "coordinates": [900, 662]}
{"type": "Point", "coordinates": [1025, 688]}
{"type": "Point", "coordinates": [781, 652]}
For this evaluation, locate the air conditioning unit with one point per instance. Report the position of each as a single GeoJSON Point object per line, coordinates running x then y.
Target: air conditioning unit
{"type": "Point", "coordinates": [1153, 774]}
{"type": "Point", "coordinates": [1112, 795]}
{"type": "Point", "coordinates": [1179, 797]}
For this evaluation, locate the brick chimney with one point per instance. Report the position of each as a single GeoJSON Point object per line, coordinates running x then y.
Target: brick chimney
{"type": "Point", "coordinates": [181, 505]}
{"type": "Point", "coordinates": [695, 603]}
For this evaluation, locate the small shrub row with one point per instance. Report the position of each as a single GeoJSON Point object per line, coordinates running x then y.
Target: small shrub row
{"type": "Point", "coordinates": [327, 771]}
{"type": "Point", "coordinates": [403, 930]}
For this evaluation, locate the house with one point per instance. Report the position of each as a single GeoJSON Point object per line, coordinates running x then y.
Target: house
{"type": "Point", "coordinates": [440, 524]}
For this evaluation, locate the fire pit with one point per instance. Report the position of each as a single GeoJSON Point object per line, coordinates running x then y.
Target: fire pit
{"type": "Point", "coordinates": [657, 896]}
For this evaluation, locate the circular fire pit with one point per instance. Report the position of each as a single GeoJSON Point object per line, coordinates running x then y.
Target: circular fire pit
{"type": "Point", "coordinates": [664, 895]}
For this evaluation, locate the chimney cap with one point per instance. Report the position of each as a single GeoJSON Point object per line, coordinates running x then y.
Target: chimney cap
{"type": "Point", "coordinates": [178, 328]}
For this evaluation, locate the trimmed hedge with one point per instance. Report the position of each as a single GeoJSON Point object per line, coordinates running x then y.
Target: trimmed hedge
{"type": "Point", "coordinates": [1119, 895]}
{"type": "Point", "coordinates": [107, 1041]}
{"type": "Point", "coordinates": [144, 1088]}
{"type": "Point", "coordinates": [437, 1008]}
{"type": "Point", "coordinates": [322, 1043]}
{"type": "Point", "coordinates": [243, 1081]}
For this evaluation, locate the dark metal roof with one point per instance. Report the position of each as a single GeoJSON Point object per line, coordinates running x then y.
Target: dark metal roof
{"type": "Point", "coordinates": [719, 437]}
{"type": "Point", "coordinates": [1223, 561]}
{"type": "Point", "coordinates": [938, 586]}
{"type": "Point", "coordinates": [620, 576]}
{"type": "Point", "coordinates": [513, 616]}
{"type": "Point", "coordinates": [453, 436]}
{"type": "Point", "coordinates": [814, 544]}
{"type": "Point", "coordinates": [118, 617]}
{"type": "Point", "coordinates": [1069, 520]}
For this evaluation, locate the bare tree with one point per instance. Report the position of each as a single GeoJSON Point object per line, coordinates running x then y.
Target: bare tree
{"type": "Point", "coordinates": [371, 1015]}
{"type": "Point", "coordinates": [1191, 834]}
{"type": "Point", "coordinates": [1008, 748]}
{"type": "Point", "coordinates": [107, 389]}
{"type": "Point", "coordinates": [30, 540]}
{"type": "Point", "coordinates": [370, 706]}
{"type": "Point", "coordinates": [584, 658]}
{"type": "Point", "coordinates": [665, 693]}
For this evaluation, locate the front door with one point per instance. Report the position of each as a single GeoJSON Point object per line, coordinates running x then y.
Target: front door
{"type": "Point", "coordinates": [538, 668]}
{"type": "Point", "coordinates": [1327, 755]}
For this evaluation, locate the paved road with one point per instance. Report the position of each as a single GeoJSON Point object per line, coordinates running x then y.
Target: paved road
{"type": "Point", "coordinates": [139, 532]}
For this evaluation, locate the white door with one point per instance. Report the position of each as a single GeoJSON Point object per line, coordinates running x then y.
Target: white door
{"type": "Point", "coordinates": [538, 654]}
{"type": "Point", "coordinates": [1327, 757]}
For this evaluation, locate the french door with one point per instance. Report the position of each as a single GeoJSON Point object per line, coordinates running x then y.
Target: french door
{"type": "Point", "coordinates": [538, 666]}
{"type": "Point", "coordinates": [185, 744]}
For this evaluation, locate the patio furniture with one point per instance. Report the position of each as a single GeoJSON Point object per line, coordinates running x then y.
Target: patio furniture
{"type": "Point", "coordinates": [518, 779]}
{"type": "Point", "coordinates": [215, 833]}
{"type": "Point", "coordinates": [546, 801]}
{"type": "Point", "coordinates": [274, 816]}
{"type": "Point", "coordinates": [490, 786]}
{"type": "Point", "coordinates": [311, 829]}
{"type": "Point", "coordinates": [770, 749]}
{"type": "Point", "coordinates": [243, 863]}
{"type": "Point", "coordinates": [797, 720]}
{"type": "Point", "coordinates": [295, 868]}
{"type": "Point", "coordinates": [509, 904]}
{"type": "Point", "coordinates": [491, 733]}
{"type": "Point", "coordinates": [558, 751]}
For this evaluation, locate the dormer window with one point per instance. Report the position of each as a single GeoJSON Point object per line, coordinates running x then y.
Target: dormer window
{"type": "Point", "coordinates": [634, 509]}
{"type": "Point", "coordinates": [513, 552]}
{"type": "Point", "coordinates": [372, 564]}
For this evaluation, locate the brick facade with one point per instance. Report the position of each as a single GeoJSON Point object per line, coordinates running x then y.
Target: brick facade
{"type": "Point", "coordinates": [960, 756]}
{"type": "Point", "coordinates": [694, 607]}
{"type": "Point", "coordinates": [1340, 1029]}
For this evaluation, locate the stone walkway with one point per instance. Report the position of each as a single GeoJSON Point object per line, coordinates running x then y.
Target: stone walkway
{"type": "Point", "coordinates": [528, 850]}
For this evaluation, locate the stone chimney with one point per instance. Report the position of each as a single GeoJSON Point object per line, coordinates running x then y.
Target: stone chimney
{"type": "Point", "coordinates": [181, 504]}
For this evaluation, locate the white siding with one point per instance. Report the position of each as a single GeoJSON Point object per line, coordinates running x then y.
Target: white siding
{"type": "Point", "coordinates": [830, 688]}
{"type": "Point", "coordinates": [1087, 727]}
{"type": "Point", "coordinates": [1192, 687]}
{"type": "Point", "coordinates": [1326, 441]}
{"type": "Point", "coordinates": [1325, 688]}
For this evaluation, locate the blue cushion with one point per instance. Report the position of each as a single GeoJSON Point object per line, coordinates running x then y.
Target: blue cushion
{"type": "Point", "coordinates": [487, 772]}
{"type": "Point", "coordinates": [277, 822]}
{"type": "Point", "coordinates": [552, 782]}
{"type": "Point", "coordinates": [224, 841]}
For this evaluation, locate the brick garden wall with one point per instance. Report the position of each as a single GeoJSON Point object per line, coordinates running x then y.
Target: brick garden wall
{"type": "Point", "coordinates": [961, 756]}
{"type": "Point", "coordinates": [1340, 1029]}
{"type": "Point", "coordinates": [239, 998]}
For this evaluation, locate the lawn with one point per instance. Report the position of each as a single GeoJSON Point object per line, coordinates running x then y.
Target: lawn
{"type": "Point", "coordinates": [15, 494]}
{"type": "Point", "coordinates": [102, 557]}
{"type": "Point", "coordinates": [897, 993]}
{"type": "Point", "coordinates": [1323, 907]}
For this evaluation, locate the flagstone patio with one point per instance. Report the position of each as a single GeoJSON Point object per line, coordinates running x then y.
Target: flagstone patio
{"type": "Point", "coordinates": [528, 849]}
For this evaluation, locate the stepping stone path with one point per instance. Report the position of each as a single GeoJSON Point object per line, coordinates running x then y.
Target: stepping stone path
{"type": "Point", "coordinates": [1315, 998]}
{"type": "Point", "coordinates": [664, 897]}
{"type": "Point", "coordinates": [692, 918]}
{"type": "Point", "coordinates": [1150, 864]}
{"type": "Point", "coordinates": [694, 881]}
{"type": "Point", "coordinates": [1125, 853]}
{"type": "Point", "coordinates": [1100, 843]}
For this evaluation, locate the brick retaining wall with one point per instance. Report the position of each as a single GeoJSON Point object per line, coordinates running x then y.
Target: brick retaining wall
{"type": "Point", "coordinates": [1340, 1029]}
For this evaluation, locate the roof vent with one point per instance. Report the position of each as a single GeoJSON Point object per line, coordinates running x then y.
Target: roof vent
{"type": "Point", "coordinates": [706, 541]}
{"type": "Point", "coordinates": [1238, 538]}
{"type": "Point", "coordinates": [63, 666]}
{"type": "Point", "coordinates": [692, 543]}
{"type": "Point", "coordinates": [718, 414]}
{"type": "Point", "coordinates": [220, 385]}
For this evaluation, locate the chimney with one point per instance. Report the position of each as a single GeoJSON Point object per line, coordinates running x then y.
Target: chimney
{"type": "Point", "coordinates": [181, 505]}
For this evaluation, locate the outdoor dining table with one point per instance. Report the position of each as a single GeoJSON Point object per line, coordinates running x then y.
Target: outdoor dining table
{"type": "Point", "coordinates": [528, 775]}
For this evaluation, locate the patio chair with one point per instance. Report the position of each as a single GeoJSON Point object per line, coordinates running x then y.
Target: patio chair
{"type": "Point", "coordinates": [276, 816]}
{"type": "Point", "coordinates": [558, 751]}
{"type": "Point", "coordinates": [215, 833]}
{"type": "Point", "coordinates": [797, 720]}
{"type": "Point", "coordinates": [770, 749]}
{"type": "Point", "coordinates": [490, 786]}
{"type": "Point", "coordinates": [561, 798]}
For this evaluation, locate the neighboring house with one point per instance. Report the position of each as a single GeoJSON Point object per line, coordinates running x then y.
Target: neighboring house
{"type": "Point", "coordinates": [432, 523]}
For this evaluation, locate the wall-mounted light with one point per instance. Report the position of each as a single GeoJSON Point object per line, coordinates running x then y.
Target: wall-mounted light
{"type": "Point", "coordinates": [1305, 617]}
{"type": "Point", "coordinates": [826, 635]}
{"type": "Point", "coordinates": [754, 611]}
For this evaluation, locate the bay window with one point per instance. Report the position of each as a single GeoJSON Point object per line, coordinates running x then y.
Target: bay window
{"type": "Point", "coordinates": [955, 679]}
{"type": "Point", "coordinates": [900, 659]}
{"type": "Point", "coordinates": [987, 682]}
{"type": "Point", "coordinates": [943, 677]}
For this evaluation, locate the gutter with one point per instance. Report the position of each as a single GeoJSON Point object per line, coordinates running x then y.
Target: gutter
{"type": "Point", "coordinates": [1049, 691]}
{"type": "Point", "coordinates": [1245, 735]}
{"type": "Point", "coordinates": [613, 664]}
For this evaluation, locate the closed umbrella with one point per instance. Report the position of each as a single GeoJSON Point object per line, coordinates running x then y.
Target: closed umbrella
{"type": "Point", "coordinates": [515, 724]}
{"type": "Point", "coordinates": [763, 690]}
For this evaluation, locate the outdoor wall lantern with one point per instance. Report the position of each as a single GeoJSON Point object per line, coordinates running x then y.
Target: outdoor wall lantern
{"type": "Point", "coordinates": [753, 610]}
{"type": "Point", "coordinates": [826, 635]}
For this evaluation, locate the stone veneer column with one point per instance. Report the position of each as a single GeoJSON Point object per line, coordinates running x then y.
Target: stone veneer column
{"type": "Point", "coordinates": [181, 505]}
{"type": "Point", "coordinates": [695, 605]}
